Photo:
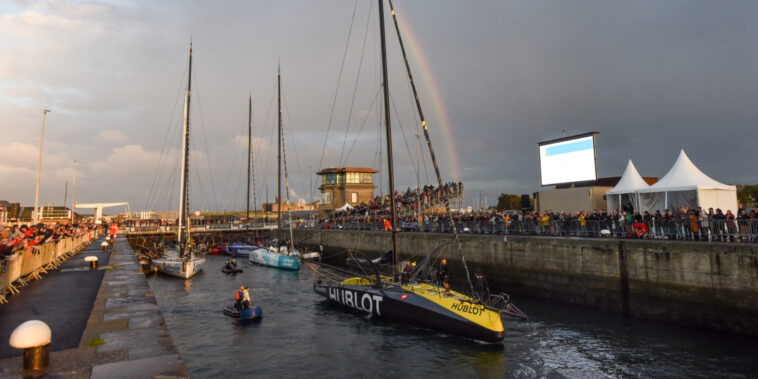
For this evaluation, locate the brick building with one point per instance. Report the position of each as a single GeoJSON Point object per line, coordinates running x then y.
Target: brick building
{"type": "Point", "coordinates": [352, 185]}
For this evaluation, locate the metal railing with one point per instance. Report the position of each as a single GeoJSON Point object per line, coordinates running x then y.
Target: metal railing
{"type": "Point", "coordinates": [209, 227]}
{"type": "Point", "coordinates": [689, 230]}
{"type": "Point", "coordinates": [19, 269]}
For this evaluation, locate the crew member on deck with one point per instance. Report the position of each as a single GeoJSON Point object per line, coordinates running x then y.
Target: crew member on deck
{"type": "Point", "coordinates": [480, 286]}
{"type": "Point", "coordinates": [445, 275]}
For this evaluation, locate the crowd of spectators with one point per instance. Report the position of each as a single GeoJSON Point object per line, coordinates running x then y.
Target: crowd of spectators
{"type": "Point", "coordinates": [14, 239]}
{"type": "Point", "coordinates": [681, 223]}
{"type": "Point", "coordinates": [406, 202]}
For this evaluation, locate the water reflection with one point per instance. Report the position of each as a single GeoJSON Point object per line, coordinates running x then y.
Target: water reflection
{"type": "Point", "coordinates": [303, 333]}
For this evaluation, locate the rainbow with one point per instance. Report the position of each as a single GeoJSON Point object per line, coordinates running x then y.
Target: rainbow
{"type": "Point", "coordinates": [413, 46]}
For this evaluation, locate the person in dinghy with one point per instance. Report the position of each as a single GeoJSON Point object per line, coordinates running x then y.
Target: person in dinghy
{"type": "Point", "coordinates": [243, 307]}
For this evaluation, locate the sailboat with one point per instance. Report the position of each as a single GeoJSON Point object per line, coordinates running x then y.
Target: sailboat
{"type": "Point", "coordinates": [412, 300]}
{"type": "Point", "coordinates": [242, 248]}
{"type": "Point", "coordinates": [284, 257]}
{"type": "Point", "coordinates": [179, 261]}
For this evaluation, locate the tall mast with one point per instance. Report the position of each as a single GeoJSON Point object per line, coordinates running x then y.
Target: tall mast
{"type": "Point", "coordinates": [249, 151]}
{"type": "Point", "coordinates": [279, 154]}
{"type": "Point", "coordinates": [388, 127]}
{"type": "Point", "coordinates": [185, 157]}
{"type": "Point", "coordinates": [431, 150]}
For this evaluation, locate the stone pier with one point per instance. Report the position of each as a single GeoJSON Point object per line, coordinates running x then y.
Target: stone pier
{"type": "Point", "coordinates": [125, 335]}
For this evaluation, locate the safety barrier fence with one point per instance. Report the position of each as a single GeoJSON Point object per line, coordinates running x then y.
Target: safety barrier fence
{"type": "Point", "coordinates": [143, 229]}
{"type": "Point", "coordinates": [32, 262]}
{"type": "Point", "coordinates": [690, 230]}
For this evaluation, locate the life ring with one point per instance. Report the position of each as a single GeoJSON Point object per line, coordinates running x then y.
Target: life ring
{"type": "Point", "coordinates": [640, 229]}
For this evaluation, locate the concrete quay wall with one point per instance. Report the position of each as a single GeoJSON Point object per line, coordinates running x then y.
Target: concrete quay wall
{"type": "Point", "coordinates": [713, 285]}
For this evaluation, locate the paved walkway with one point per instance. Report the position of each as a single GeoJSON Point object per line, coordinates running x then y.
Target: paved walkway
{"type": "Point", "coordinates": [62, 299]}
{"type": "Point", "coordinates": [125, 334]}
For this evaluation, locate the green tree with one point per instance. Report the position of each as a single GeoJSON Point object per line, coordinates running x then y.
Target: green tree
{"type": "Point", "coordinates": [748, 194]}
{"type": "Point", "coordinates": [509, 201]}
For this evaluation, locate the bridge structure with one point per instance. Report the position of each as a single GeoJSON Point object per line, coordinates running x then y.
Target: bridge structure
{"type": "Point", "coordinates": [98, 207]}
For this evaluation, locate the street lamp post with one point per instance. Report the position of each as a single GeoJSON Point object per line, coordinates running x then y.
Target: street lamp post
{"type": "Point", "coordinates": [35, 216]}
{"type": "Point", "coordinates": [73, 195]}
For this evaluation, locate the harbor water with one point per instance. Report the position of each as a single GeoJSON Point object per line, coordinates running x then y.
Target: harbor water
{"type": "Point", "coordinates": [302, 334]}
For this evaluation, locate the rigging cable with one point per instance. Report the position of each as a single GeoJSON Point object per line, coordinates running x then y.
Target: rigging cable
{"type": "Point", "coordinates": [252, 154]}
{"type": "Point", "coordinates": [287, 191]}
{"type": "Point", "coordinates": [294, 145]}
{"type": "Point", "coordinates": [267, 161]}
{"type": "Point", "coordinates": [376, 96]}
{"type": "Point", "coordinates": [157, 176]}
{"type": "Point", "coordinates": [205, 139]}
{"type": "Point", "coordinates": [336, 91]}
{"type": "Point", "coordinates": [431, 150]}
{"type": "Point", "coordinates": [402, 131]}
{"type": "Point", "coordinates": [357, 81]}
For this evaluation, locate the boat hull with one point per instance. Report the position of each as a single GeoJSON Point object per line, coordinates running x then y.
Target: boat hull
{"type": "Point", "coordinates": [252, 313]}
{"type": "Point", "coordinates": [265, 257]}
{"type": "Point", "coordinates": [240, 250]}
{"type": "Point", "coordinates": [453, 315]}
{"type": "Point", "coordinates": [178, 268]}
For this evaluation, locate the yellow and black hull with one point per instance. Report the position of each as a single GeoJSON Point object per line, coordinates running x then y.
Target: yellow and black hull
{"type": "Point", "coordinates": [421, 304]}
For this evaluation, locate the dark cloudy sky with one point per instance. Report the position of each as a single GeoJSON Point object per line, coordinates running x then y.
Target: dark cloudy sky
{"type": "Point", "coordinates": [653, 77]}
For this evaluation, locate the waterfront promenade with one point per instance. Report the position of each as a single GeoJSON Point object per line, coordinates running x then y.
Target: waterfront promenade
{"type": "Point", "coordinates": [105, 323]}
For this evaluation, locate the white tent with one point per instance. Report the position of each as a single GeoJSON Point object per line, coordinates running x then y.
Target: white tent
{"type": "Point", "coordinates": [344, 208]}
{"type": "Point", "coordinates": [686, 185]}
{"type": "Point", "coordinates": [626, 190]}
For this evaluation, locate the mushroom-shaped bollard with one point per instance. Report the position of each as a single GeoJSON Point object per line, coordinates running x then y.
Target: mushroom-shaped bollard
{"type": "Point", "coordinates": [34, 337]}
{"type": "Point", "coordinates": [92, 262]}
{"type": "Point", "coordinates": [104, 244]}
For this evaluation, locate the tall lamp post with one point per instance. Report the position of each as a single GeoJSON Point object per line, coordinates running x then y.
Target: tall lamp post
{"type": "Point", "coordinates": [35, 216]}
{"type": "Point", "coordinates": [73, 195]}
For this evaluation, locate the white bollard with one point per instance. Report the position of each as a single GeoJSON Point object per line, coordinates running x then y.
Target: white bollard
{"type": "Point", "coordinates": [92, 262]}
{"type": "Point", "coordinates": [34, 337]}
{"type": "Point", "coordinates": [104, 244]}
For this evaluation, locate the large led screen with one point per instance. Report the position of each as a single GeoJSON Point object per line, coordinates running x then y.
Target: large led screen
{"type": "Point", "coordinates": [568, 160]}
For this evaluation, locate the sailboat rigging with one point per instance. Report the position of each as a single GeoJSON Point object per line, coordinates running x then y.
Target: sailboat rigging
{"type": "Point", "coordinates": [181, 262]}
{"type": "Point", "coordinates": [277, 256]}
{"type": "Point", "coordinates": [243, 248]}
{"type": "Point", "coordinates": [405, 296]}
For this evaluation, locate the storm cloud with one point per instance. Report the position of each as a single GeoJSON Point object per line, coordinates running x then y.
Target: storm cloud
{"type": "Point", "coordinates": [652, 77]}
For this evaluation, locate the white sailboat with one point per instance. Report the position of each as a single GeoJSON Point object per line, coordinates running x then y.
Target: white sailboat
{"type": "Point", "coordinates": [180, 261]}
{"type": "Point", "coordinates": [284, 257]}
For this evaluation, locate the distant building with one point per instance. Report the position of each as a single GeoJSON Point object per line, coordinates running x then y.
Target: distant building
{"type": "Point", "coordinates": [351, 185]}
{"type": "Point", "coordinates": [3, 212]}
{"type": "Point", "coordinates": [13, 210]}
{"type": "Point", "coordinates": [578, 196]}
{"type": "Point", "coordinates": [299, 206]}
{"type": "Point", "coordinates": [48, 213]}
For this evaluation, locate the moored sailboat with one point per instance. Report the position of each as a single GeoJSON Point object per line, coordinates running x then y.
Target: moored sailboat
{"type": "Point", "coordinates": [180, 261]}
{"type": "Point", "coordinates": [407, 297]}
{"type": "Point", "coordinates": [278, 256]}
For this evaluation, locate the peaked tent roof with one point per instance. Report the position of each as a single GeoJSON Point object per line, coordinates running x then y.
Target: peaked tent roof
{"type": "Point", "coordinates": [631, 181]}
{"type": "Point", "coordinates": [344, 207]}
{"type": "Point", "coordinates": [685, 176]}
